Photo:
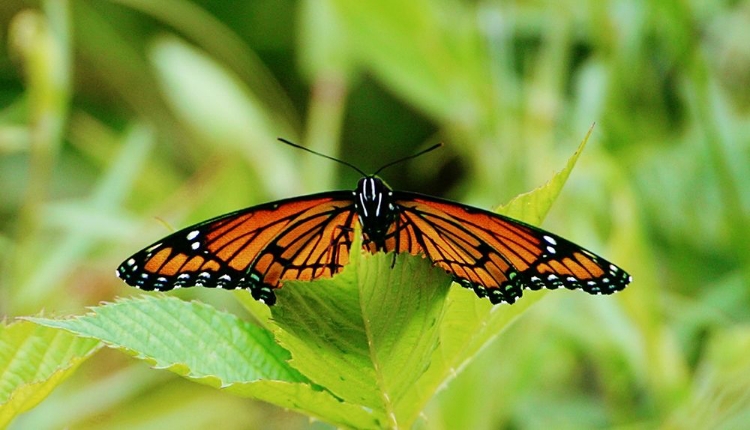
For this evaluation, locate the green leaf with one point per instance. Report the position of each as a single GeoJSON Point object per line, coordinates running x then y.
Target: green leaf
{"type": "Point", "coordinates": [188, 78]}
{"type": "Point", "coordinates": [368, 334]}
{"type": "Point", "coordinates": [532, 207]}
{"type": "Point", "coordinates": [34, 360]}
{"type": "Point", "coordinates": [211, 347]}
{"type": "Point", "coordinates": [189, 338]}
{"type": "Point", "coordinates": [470, 324]}
{"type": "Point", "coordinates": [308, 400]}
{"type": "Point", "coordinates": [235, 118]}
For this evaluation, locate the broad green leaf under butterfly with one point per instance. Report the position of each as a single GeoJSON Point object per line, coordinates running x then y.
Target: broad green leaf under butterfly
{"type": "Point", "coordinates": [368, 334]}
{"type": "Point", "coordinates": [211, 347]}
{"type": "Point", "coordinates": [34, 360]}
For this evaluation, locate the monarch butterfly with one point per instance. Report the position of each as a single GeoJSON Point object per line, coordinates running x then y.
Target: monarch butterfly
{"type": "Point", "coordinates": [310, 237]}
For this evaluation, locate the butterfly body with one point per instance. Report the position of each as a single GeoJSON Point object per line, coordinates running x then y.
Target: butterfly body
{"type": "Point", "coordinates": [310, 237]}
{"type": "Point", "coordinates": [375, 209]}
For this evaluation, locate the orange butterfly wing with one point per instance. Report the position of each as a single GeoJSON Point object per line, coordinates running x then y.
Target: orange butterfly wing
{"type": "Point", "coordinates": [258, 248]}
{"type": "Point", "coordinates": [494, 255]}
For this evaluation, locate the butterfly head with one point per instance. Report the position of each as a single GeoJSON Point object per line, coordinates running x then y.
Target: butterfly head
{"type": "Point", "coordinates": [373, 200]}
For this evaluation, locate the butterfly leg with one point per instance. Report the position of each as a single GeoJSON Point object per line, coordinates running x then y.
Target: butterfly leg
{"type": "Point", "coordinates": [397, 238]}
{"type": "Point", "coordinates": [340, 235]}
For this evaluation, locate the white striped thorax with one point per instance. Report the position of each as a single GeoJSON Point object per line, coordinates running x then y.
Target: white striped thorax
{"type": "Point", "coordinates": [375, 209]}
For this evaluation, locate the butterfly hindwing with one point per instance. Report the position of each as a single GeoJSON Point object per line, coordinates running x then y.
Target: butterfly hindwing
{"type": "Point", "coordinates": [255, 248]}
{"type": "Point", "coordinates": [496, 256]}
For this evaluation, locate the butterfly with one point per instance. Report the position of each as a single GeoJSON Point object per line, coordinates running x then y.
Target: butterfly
{"type": "Point", "coordinates": [310, 237]}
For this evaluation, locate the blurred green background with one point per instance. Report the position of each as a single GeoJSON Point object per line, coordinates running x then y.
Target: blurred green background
{"type": "Point", "coordinates": [117, 117]}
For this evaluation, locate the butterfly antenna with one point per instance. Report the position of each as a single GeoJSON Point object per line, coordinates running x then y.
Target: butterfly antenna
{"type": "Point", "coordinates": [401, 160]}
{"type": "Point", "coordinates": [324, 156]}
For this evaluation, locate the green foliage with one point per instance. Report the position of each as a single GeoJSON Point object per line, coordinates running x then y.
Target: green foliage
{"type": "Point", "coordinates": [211, 347]}
{"type": "Point", "coordinates": [34, 361]}
{"type": "Point", "coordinates": [190, 339]}
{"type": "Point", "coordinates": [374, 343]}
{"type": "Point", "coordinates": [115, 114]}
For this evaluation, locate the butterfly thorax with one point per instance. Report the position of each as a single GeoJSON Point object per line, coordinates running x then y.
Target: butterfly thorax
{"type": "Point", "coordinates": [373, 200]}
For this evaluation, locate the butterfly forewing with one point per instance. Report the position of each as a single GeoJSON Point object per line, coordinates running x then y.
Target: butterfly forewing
{"type": "Point", "coordinates": [316, 244]}
{"type": "Point", "coordinates": [256, 248]}
{"type": "Point", "coordinates": [497, 256]}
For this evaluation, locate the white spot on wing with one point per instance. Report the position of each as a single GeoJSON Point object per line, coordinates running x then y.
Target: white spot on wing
{"type": "Point", "coordinates": [153, 247]}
